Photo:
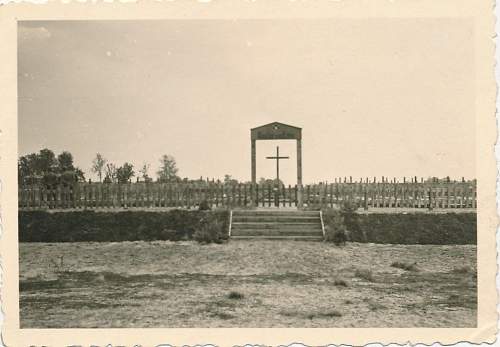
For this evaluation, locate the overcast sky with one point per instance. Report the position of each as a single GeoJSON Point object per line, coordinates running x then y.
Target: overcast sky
{"type": "Point", "coordinates": [381, 97]}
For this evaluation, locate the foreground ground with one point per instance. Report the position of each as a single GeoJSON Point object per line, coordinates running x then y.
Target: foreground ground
{"type": "Point", "coordinates": [246, 284]}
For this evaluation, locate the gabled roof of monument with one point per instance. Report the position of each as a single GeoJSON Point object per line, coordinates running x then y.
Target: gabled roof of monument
{"type": "Point", "coordinates": [276, 131]}
{"type": "Point", "coordinates": [273, 124]}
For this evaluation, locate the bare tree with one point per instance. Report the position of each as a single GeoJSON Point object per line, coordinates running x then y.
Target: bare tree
{"type": "Point", "coordinates": [110, 173]}
{"type": "Point", "coordinates": [144, 172]}
{"type": "Point", "coordinates": [98, 165]}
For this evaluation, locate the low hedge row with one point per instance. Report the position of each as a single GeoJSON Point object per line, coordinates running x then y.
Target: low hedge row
{"type": "Point", "coordinates": [413, 228]}
{"type": "Point", "coordinates": [41, 226]}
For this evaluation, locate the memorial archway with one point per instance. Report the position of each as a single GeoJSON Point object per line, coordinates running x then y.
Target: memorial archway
{"type": "Point", "coordinates": [278, 131]}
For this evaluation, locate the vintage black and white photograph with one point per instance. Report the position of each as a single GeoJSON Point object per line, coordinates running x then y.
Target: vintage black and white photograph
{"type": "Point", "coordinates": [247, 173]}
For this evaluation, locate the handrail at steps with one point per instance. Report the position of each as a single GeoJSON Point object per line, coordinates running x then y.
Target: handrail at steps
{"type": "Point", "coordinates": [230, 222]}
{"type": "Point", "coordinates": [322, 224]}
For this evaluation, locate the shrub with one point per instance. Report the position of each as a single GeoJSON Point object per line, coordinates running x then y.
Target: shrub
{"type": "Point", "coordinates": [339, 237]}
{"type": "Point", "coordinates": [335, 230]}
{"type": "Point", "coordinates": [349, 206]}
{"type": "Point", "coordinates": [405, 266]}
{"type": "Point", "coordinates": [312, 206]}
{"type": "Point", "coordinates": [348, 209]}
{"type": "Point", "coordinates": [211, 230]}
{"type": "Point", "coordinates": [235, 295]}
{"type": "Point", "coordinates": [204, 206]}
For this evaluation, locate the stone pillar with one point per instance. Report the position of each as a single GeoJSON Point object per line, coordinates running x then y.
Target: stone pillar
{"type": "Point", "coordinates": [254, 173]}
{"type": "Point", "coordinates": [299, 173]}
{"type": "Point", "coordinates": [254, 163]}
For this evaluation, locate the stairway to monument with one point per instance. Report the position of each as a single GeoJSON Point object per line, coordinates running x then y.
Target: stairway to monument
{"type": "Point", "coordinates": [276, 225]}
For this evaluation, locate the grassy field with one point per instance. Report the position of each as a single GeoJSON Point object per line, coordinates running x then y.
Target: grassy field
{"type": "Point", "coordinates": [246, 284]}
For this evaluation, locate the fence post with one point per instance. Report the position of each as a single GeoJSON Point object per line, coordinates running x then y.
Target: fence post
{"type": "Point", "coordinates": [245, 201]}
{"type": "Point", "coordinates": [256, 194]}
{"type": "Point", "coordinates": [290, 194]}
{"type": "Point", "coordinates": [239, 194]}
{"type": "Point", "coordinates": [269, 195]}
{"type": "Point", "coordinates": [430, 198]}
{"type": "Point", "coordinates": [474, 196]}
{"type": "Point", "coordinates": [365, 198]}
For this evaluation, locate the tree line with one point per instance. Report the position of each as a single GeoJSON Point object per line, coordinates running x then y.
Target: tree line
{"type": "Point", "coordinates": [110, 173]}
{"type": "Point", "coordinates": [48, 169]}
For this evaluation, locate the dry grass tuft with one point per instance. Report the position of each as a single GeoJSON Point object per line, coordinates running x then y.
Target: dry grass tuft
{"type": "Point", "coordinates": [461, 270]}
{"type": "Point", "coordinates": [374, 305]}
{"type": "Point", "coordinates": [326, 314]}
{"type": "Point", "coordinates": [364, 274]}
{"type": "Point", "coordinates": [223, 315]}
{"type": "Point", "coordinates": [340, 283]}
{"type": "Point", "coordinates": [405, 266]}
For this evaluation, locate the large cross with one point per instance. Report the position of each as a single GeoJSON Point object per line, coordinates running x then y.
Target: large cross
{"type": "Point", "coordinates": [277, 157]}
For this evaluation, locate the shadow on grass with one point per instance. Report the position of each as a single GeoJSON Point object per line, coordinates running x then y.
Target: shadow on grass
{"type": "Point", "coordinates": [331, 313]}
{"type": "Point", "coordinates": [83, 279]}
{"type": "Point", "coordinates": [223, 308]}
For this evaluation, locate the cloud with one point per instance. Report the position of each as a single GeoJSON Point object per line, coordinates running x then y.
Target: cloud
{"type": "Point", "coordinates": [33, 33]}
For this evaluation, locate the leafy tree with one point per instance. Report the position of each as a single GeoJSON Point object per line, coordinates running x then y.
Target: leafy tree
{"type": "Point", "coordinates": [98, 165]}
{"type": "Point", "coordinates": [80, 176]}
{"type": "Point", "coordinates": [125, 173]}
{"type": "Point", "coordinates": [45, 162]}
{"type": "Point", "coordinates": [65, 162]}
{"type": "Point", "coordinates": [24, 169]}
{"type": "Point", "coordinates": [168, 169]}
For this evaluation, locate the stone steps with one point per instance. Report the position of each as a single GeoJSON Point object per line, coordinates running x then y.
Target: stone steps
{"type": "Point", "coordinates": [276, 232]}
{"type": "Point", "coordinates": [276, 225]}
{"type": "Point", "coordinates": [274, 219]}
{"type": "Point", "coordinates": [274, 212]}
{"type": "Point", "coordinates": [267, 237]}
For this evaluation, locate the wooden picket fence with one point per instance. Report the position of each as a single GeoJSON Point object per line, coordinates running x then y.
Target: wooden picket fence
{"type": "Point", "coordinates": [191, 195]}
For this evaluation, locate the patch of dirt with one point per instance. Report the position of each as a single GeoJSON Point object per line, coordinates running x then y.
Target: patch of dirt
{"type": "Point", "coordinates": [278, 284]}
